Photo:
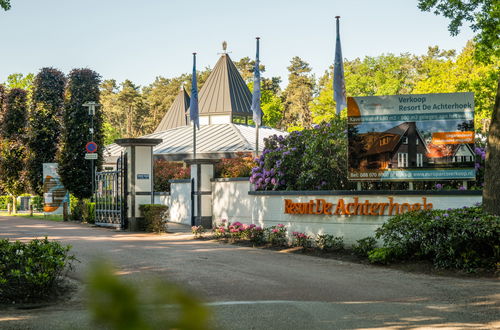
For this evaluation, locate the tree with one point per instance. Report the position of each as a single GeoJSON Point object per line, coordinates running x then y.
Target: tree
{"type": "Point", "coordinates": [5, 4]}
{"type": "Point", "coordinates": [18, 80]}
{"type": "Point", "coordinates": [12, 144]}
{"type": "Point", "coordinates": [75, 171]}
{"type": "Point", "coordinates": [44, 124]}
{"type": "Point", "coordinates": [246, 67]}
{"type": "Point", "coordinates": [298, 94]}
{"type": "Point", "coordinates": [485, 21]}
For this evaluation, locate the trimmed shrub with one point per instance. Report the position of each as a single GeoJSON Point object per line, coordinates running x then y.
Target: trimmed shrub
{"type": "Point", "coordinates": [239, 167]}
{"type": "Point", "coordinates": [327, 242]}
{"type": "Point", "coordinates": [165, 171]}
{"type": "Point", "coordinates": [301, 239]}
{"type": "Point", "coordinates": [465, 238]}
{"type": "Point", "coordinates": [364, 246]}
{"type": "Point", "coordinates": [276, 235]}
{"type": "Point", "coordinates": [88, 214]}
{"type": "Point", "coordinates": [31, 271]}
{"type": "Point", "coordinates": [37, 202]}
{"type": "Point", "coordinates": [154, 217]}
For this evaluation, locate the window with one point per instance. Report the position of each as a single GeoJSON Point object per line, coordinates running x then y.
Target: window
{"type": "Point", "coordinates": [420, 160]}
{"type": "Point", "coordinates": [405, 140]}
{"type": "Point", "coordinates": [402, 159]}
{"type": "Point", "coordinates": [416, 141]}
{"type": "Point", "coordinates": [385, 140]}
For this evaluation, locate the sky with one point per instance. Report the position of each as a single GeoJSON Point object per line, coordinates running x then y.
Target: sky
{"type": "Point", "coordinates": [140, 40]}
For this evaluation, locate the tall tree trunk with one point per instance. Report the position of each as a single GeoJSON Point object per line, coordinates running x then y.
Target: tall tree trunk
{"type": "Point", "coordinates": [14, 204]}
{"type": "Point", "coordinates": [491, 191]}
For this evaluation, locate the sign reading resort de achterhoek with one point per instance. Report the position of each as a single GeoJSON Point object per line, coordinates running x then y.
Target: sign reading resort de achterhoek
{"type": "Point", "coordinates": [411, 137]}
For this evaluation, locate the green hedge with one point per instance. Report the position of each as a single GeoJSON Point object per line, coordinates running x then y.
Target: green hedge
{"type": "Point", "coordinates": [153, 217]}
{"type": "Point", "coordinates": [31, 271]}
{"type": "Point", "coordinates": [465, 238]}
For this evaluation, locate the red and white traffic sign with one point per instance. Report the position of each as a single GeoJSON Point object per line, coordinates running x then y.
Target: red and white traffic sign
{"type": "Point", "coordinates": [91, 147]}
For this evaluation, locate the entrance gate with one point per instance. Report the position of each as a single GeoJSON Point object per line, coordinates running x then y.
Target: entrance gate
{"type": "Point", "coordinates": [111, 196]}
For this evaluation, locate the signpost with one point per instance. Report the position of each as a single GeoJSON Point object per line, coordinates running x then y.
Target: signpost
{"type": "Point", "coordinates": [411, 137]}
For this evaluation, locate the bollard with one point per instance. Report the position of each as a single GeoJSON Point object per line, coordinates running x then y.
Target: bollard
{"type": "Point", "coordinates": [65, 211]}
{"type": "Point", "coordinates": [31, 210]}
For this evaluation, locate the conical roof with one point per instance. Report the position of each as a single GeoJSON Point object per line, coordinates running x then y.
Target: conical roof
{"type": "Point", "coordinates": [225, 91]}
{"type": "Point", "coordinates": [176, 115]}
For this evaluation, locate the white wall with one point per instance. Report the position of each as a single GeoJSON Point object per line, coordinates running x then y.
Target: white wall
{"type": "Point", "coordinates": [232, 202]}
{"type": "Point", "coordinates": [180, 202]}
{"type": "Point", "coordinates": [162, 199]}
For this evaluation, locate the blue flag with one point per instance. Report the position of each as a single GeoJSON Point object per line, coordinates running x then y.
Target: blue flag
{"type": "Point", "coordinates": [257, 111]}
{"type": "Point", "coordinates": [193, 102]}
{"type": "Point", "coordinates": [338, 75]}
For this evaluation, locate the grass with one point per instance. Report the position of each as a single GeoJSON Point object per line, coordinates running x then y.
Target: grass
{"type": "Point", "coordinates": [41, 216]}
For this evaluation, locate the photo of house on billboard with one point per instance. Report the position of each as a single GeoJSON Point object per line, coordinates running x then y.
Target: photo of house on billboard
{"type": "Point", "coordinates": [411, 137]}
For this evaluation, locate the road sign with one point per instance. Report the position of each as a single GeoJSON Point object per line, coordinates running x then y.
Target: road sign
{"type": "Point", "coordinates": [90, 156]}
{"type": "Point", "coordinates": [91, 147]}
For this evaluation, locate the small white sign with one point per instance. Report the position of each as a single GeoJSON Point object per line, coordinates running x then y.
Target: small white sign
{"type": "Point", "coordinates": [48, 198]}
{"type": "Point", "coordinates": [90, 156]}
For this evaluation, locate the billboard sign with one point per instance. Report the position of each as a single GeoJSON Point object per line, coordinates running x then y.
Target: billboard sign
{"type": "Point", "coordinates": [411, 137]}
{"type": "Point", "coordinates": [54, 193]}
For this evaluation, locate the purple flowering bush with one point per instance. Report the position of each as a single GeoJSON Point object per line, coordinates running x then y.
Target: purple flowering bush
{"type": "Point", "coordinates": [466, 238]}
{"type": "Point", "coordinates": [311, 159]}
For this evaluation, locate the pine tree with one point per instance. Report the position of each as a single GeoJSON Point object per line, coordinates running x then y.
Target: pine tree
{"type": "Point", "coordinates": [298, 94]}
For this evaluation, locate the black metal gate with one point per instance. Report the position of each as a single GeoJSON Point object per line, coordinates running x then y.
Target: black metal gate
{"type": "Point", "coordinates": [111, 196]}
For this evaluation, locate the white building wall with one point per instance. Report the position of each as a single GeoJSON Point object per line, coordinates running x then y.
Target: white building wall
{"type": "Point", "coordinates": [232, 202]}
{"type": "Point", "coordinates": [180, 202]}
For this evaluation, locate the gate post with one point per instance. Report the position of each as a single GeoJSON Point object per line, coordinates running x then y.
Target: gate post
{"type": "Point", "coordinates": [140, 181]}
{"type": "Point", "coordinates": [202, 172]}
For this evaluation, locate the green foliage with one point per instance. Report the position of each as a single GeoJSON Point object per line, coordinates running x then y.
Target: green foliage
{"type": "Point", "coordinates": [44, 126]}
{"type": "Point", "coordinates": [276, 235]}
{"type": "Point", "coordinates": [75, 171]}
{"type": "Point", "coordinates": [364, 246]}
{"type": "Point", "coordinates": [36, 201]}
{"type": "Point", "coordinates": [4, 201]}
{"type": "Point", "coordinates": [327, 242]}
{"type": "Point", "coordinates": [382, 255]}
{"type": "Point", "coordinates": [12, 170]}
{"type": "Point", "coordinates": [30, 271]}
{"type": "Point", "coordinates": [311, 159]}
{"type": "Point", "coordinates": [239, 167]}
{"type": "Point", "coordinates": [14, 114]}
{"type": "Point", "coordinates": [483, 16]}
{"type": "Point", "coordinates": [466, 238]}
{"type": "Point", "coordinates": [154, 217]}
{"type": "Point", "coordinates": [301, 240]}
{"type": "Point", "coordinates": [116, 304]}
{"type": "Point", "coordinates": [166, 170]}
{"type": "Point", "coordinates": [88, 214]}
{"type": "Point", "coordinates": [18, 80]}
{"type": "Point", "coordinates": [298, 94]}
{"type": "Point", "coordinates": [5, 4]}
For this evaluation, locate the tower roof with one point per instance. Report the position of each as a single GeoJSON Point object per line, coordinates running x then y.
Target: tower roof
{"type": "Point", "coordinates": [225, 91]}
{"type": "Point", "coordinates": [176, 115]}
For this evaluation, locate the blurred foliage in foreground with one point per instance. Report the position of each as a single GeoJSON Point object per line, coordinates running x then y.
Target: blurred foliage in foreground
{"type": "Point", "coordinates": [117, 304]}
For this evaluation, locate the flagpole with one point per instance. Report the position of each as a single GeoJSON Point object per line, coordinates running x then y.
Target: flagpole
{"type": "Point", "coordinates": [338, 73]}
{"type": "Point", "coordinates": [256, 99]}
{"type": "Point", "coordinates": [193, 105]}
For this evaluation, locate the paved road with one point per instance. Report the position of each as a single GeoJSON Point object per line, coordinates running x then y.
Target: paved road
{"type": "Point", "coordinates": [251, 288]}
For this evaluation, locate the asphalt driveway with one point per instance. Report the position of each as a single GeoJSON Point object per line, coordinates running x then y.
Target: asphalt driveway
{"type": "Point", "coordinates": [261, 289]}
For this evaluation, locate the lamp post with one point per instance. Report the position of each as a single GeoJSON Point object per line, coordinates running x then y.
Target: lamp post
{"type": "Point", "coordinates": [91, 105]}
